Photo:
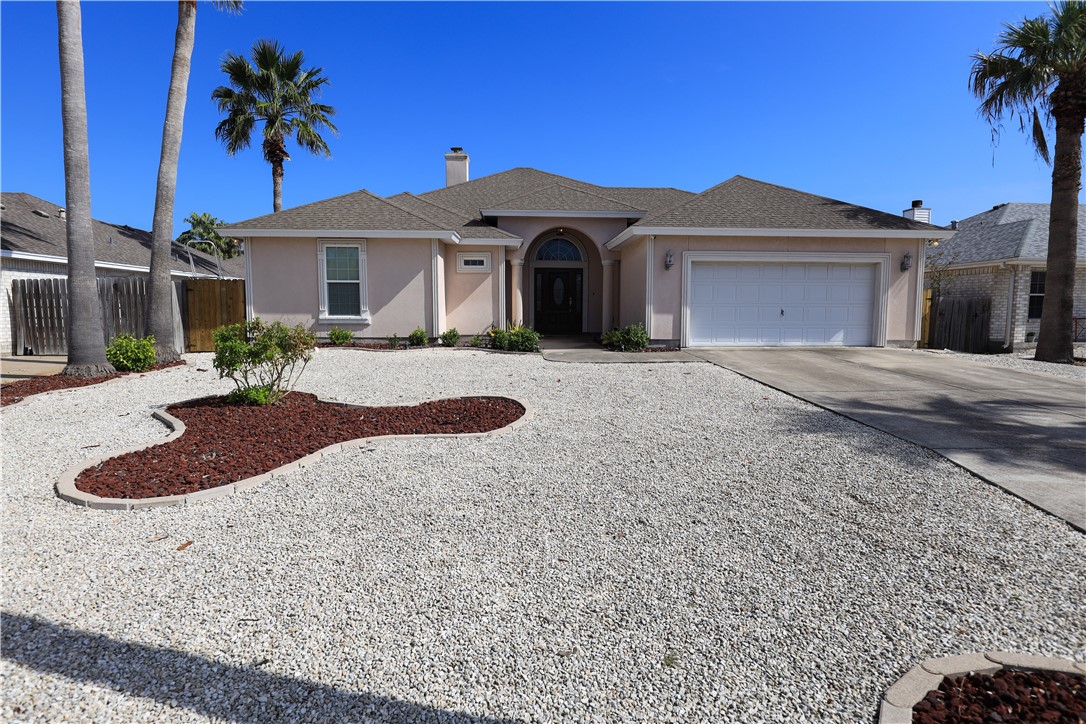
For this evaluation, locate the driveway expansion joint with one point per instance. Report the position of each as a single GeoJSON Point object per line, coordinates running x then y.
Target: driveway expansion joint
{"type": "Point", "coordinates": [66, 489]}
{"type": "Point", "coordinates": [897, 703]}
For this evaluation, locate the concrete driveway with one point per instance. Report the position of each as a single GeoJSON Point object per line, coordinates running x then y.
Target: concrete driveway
{"type": "Point", "coordinates": [1023, 432]}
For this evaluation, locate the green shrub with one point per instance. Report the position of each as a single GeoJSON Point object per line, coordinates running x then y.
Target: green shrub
{"type": "Point", "coordinates": [476, 341]}
{"type": "Point", "coordinates": [612, 338]}
{"type": "Point", "coordinates": [128, 354]}
{"type": "Point", "coordinates": [394, 340]}
{"type": "Point", "coordinates": [259, 356]}
{"type": "Point", "coordinates": [418, 338]}
{"type": "Point", "coordinates": [450, 337]}
{"type": "Point", "coordinates": [249, 396]}
{"type": "Point", "coordinates": [340, 337]}
{"type": "Point", "coordinates": [517, 338]}
{"type": "Point", "coordinates": [631, 338]}
{"type": "Point", "coordinates": [635, 338]}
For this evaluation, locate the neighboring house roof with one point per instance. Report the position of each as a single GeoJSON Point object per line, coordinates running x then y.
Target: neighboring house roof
{"type": "Point", "coordinates": [29, 225]}
{"type": "Point", "coordinates": [563, 197]}
{"type": "Point", "coordinates": [744, 203]}
{"type": "Point", "coordinates": [1005, 232]}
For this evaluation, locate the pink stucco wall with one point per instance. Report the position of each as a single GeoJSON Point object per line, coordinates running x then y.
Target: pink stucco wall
{"type": "Point", "coordinates": [471, 298]}
{"type": "Point", "coordinates": [667, 285]}
{"type": "Point", "coordinates": [631, 308]}
{"type": "Point", "coordinates": [285, 284]}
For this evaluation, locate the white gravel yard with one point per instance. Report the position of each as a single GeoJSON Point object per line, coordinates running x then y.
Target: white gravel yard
{"type": "Point", "coordinates": [1021, 361]}
{"type": "Point", "coordinates": [663, 542]}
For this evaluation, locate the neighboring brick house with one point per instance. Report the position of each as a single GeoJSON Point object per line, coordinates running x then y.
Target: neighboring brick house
{"type": "Point", "coordinates": [1001, 255]}
{"type": "Point", "coordinates": [34, 245]}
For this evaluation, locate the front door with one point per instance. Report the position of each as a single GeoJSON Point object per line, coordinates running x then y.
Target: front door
{"type": "Point", "coordinates": [558, 301]}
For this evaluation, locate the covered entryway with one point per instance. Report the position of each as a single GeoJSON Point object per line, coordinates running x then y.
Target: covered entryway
{"type": "Point", "coordinates": [781, 303]}
{"type": "Point", "coordinates": [558, 272]}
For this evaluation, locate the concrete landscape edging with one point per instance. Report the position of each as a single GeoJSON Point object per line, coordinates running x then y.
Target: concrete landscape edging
{"type": "Point", "coordinates": [66, 490]}
{"type": "Point", "coordinates": [897, 703]}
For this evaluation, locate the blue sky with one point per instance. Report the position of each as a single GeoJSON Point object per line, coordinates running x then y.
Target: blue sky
{"type": "Point", "coordinates": [864, 102]}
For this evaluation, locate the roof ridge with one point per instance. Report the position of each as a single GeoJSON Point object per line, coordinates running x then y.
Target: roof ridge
{"type": "Point", "coordinates": [440, 227]}
{"type": "Point", "coordinates": [600, 196]}
{"type": "Point", "coordinates": [454, 212]}
{"type": "Point", "coordinates": [575, 189]}
{"type": "Point", "coordinates": [645, 221]}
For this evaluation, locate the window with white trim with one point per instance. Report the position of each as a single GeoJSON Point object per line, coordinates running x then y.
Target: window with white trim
{"type": "Point", "coordinates": [1036, 294]}
{"type": "Point", "coordinates": [342, 268]}
{"type": "Point", "coordinates": [473, 262]}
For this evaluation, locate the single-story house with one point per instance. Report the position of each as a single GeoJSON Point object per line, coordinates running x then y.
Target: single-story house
{"type": "Point", "coordinates": [34, 245]}
{"type": "Point", "coordinates": [743, 263]}
{"type": "Point", "coordinates": [1001, 255]}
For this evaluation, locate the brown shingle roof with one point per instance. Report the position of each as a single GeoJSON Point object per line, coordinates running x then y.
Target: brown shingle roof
{"type": "Point", "coordinates": [22, 230]}
{"type": "Point", "coordinates": [744, 203]}
{"type": "Point", "coordinates": [356, 211]}
{"type": "Point", "coordinates": [563, 197]}
{"type": "Point", "coordinates": [450, 219]}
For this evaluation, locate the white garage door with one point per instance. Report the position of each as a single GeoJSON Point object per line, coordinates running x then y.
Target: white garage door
{"type": "Point", "coordinates": [768, 304]}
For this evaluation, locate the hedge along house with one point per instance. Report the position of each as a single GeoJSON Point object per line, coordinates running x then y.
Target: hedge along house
{"type": "Point", "coordinates": [743, 263]}
{"type": "Point", "coordinates": [1001, 255]}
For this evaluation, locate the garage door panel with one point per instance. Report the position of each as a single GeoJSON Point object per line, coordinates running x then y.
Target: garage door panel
{"type": "Point", "coordinates": [741, 304]}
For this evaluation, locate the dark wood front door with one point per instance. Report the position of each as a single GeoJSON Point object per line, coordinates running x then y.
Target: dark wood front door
{"type": "Point", "coordinates": [558, 301]}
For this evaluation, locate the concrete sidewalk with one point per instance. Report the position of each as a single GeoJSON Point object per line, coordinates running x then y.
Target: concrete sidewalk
{"type": "Point", "coordinates": [584, 349]}
{"type": "Point", "coordinates": [22, 367]}
{"type": "Point", "coordinates": [1024, 432]}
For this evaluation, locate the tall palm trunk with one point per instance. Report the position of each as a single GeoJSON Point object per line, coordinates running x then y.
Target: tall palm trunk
{"type": "Point", "coordinates": [160, 287]}
{"type": "Point", "coordinates": [275, 151]}
{"type": "Point", "coordinates": [277, 185]}
{"type": "Point", "coordinates": [1055, 341]}
{"type": "Point", "coordinates": [86, 342]}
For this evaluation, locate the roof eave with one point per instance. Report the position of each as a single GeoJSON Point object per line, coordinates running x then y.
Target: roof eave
{"type": "Point", "coordinates": [565, 214]}
{"type": "Point", "coordinates": [450, 237]}
{"type": "Point", "coordinates": [635, 231]}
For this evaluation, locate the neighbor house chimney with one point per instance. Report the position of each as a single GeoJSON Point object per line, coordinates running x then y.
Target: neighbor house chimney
{"type": "Point", "coordinates": [918, 212]}
{"type": "Point", "coordinates": [62, 213]}
{"type": "Point", "coordinates": [456, 166]}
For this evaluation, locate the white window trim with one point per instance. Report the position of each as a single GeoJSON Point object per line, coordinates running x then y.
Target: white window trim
{"type": "Point", "coordinates": [363, 285]}
{"type": "Point", "coordinates": [462, 256]}
{"type": "Point", "coordinates": [882, 279]}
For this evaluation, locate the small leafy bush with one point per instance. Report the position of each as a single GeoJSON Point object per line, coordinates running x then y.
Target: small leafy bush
{"type": "Point", "coordinates": [249, 396]}
{"type": "Point", "coordinates": [476, 341]}
{"type": "Point", "coordinates": [393, 340]}
{"type": "Point", "coordinates": [129, 354]}
{"type": "Point", "coordinates": [516, 338]}
{"type": "Point", "coordinates": [340, 337]}
{"type": "Point", "coordinates": [450, 337]}
{"type": "Point", "coordinates": [262, 359]}
{"type": "Point", "coordinates": [418, 337]}
{"type": "Point", "coordinates": [631, 338]}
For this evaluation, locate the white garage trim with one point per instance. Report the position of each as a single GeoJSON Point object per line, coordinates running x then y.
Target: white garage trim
{"type": "Point", "coordinates": [880, 260]}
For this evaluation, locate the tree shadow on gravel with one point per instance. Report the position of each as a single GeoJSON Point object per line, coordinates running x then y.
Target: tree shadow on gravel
{"type": "Point", "coordinates": [216, 690]}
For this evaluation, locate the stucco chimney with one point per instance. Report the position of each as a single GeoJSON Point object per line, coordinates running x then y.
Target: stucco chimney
{"type": "Point", "coordinates": [918, 212]}
{"type": "Point", "coordinates": [62, 213]}
{"type": "Point", "coordinates": [456, 166]}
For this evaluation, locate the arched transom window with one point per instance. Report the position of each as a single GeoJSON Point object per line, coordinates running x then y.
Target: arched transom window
{"type": "Point", "coordinates": [558, 250]}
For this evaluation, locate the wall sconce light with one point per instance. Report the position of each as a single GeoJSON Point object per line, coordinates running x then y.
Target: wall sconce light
{"type": "Point", "coordinates": [907, 262]}
{"type": "Point", "coordinates": [561, 232]}
{"type": "Point", "coordinates": [669, 260]}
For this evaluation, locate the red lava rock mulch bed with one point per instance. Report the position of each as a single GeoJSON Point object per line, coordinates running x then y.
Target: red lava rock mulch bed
{"type": "Point", "coordinates": [1006, 696]}
{"type": "Point", "coordinates": [21, 389]}
{"type": "Point", "coordinates": [225, 443]}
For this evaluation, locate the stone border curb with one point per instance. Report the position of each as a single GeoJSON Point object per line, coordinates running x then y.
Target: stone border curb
{"type": "Point", "coordinates": [457, 348]}
{"type": "Point", "coordinates": [66, 490]}
{"type": "Point", "coordinates": [908, 691]}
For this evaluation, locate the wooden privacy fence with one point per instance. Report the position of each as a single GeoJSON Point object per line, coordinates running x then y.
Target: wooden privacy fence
{"type": "Point", "coordinates": [959, 324]}
{"type": "Point", "coordinates": [199, 307]}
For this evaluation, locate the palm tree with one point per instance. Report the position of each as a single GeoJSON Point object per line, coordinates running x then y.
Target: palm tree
{"type": "Point", "coordinates": [277, 91]}
{"type": "Point", "coordinates": [86, 342]}
{"type": "Point", "coordinates": [160, 316]}
{"type": "Point", "coordinates": [1037, 73]}
{"type": "Point", "coordinates": [204, 236]}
